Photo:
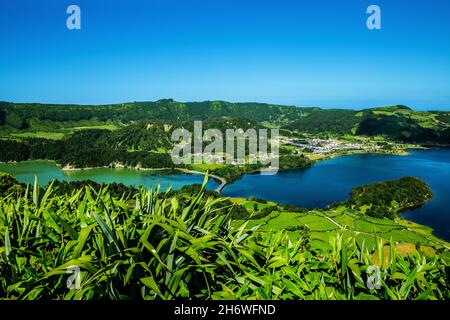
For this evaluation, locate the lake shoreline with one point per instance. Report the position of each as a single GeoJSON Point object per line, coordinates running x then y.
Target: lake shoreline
{"type": "Point", "coordinates": [401, 152]}
{"type": "Point", "coordinates": [223, 181]}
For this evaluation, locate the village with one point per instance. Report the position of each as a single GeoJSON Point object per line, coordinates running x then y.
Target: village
{"type": "Point", "coordinates": [321, 146]}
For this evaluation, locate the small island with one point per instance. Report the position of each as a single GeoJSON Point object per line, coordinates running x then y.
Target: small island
{"type": "Point", "coordinates": [387, 198]}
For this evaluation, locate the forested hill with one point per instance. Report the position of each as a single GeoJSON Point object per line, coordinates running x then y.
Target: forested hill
{"type": "Point", "coordinates": [16, 114]}
{"type": "Point", "coordinates": [398, 123]}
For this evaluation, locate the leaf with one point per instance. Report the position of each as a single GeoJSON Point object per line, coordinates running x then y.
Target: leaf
{"type": "Point", "coordinates": [62, 269]}
{"type": "Point", "coordinates": [276, 262]}
{"type": "Point", "coordinates": [406, 287]}
{"type": "Point", "coordinates": [36, 192]}
{"type": "Point", "coordinates": [106, 231]}
{"type": "Point", "coordinates": [170, 257]}
{"type": "Point", "coordinates": [344, 258]}
{"type": "Point", "coordinates": [174, 203]}
{"type": "Point", "coordinates": [392, 256]}
{"type": "Point", "coordinates": [398, 276]}
{"type": "Point", "coordinates": [7, 243]}
{"type": "Point", "coordinates": [82, 237]}
{"type": "Point", "coordinates": [224, 259]}
{"type": "Point", "coordinates": [424, 295]}
{"type": "Point", "coordinates": [129, 274]}
{"type": "Point", "coordinates": [152, 250]}
{"type": "Point", "coordinates": [72, 233]}
{"type": "Point", "coordinates": [151, 283]}
{"type": "Point", "coordinates": [47, 192]}
{"type": "Point", "coordinates": [365, 296]}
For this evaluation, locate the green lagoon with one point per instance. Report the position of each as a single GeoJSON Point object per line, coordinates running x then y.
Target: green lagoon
{"type": "Point", "coordinates": [46, 171]}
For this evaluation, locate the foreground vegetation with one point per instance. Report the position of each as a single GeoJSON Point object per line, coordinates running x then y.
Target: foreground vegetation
{"type": "Point", "coordinates": [151, 245]}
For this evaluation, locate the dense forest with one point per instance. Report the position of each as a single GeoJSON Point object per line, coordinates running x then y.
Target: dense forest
{"type": "Point", "coordinates": [387, 198]}
{"type": "Point", "coordinates": [139, 144]}
{"type": "Point", "coordinates": [88, 148]}
{"type": "Point", "coordinates": [17, 115]}
{"type": "Point", "coordinates": [402, 128]}
{"type": "Point", "coordinates": [323, 121]}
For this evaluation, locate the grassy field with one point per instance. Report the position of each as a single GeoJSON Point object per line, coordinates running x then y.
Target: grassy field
{"type": "Point", "coordinates": [38, 134]}
{"type": "Point", "coordinates": [55, 130]}
{"type": "Point", "coordinates": [203, 167]}
{"type": "Point", "coordinates": [323, 225]}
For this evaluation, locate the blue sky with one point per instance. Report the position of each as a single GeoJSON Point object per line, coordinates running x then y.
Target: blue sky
{"type": "Point", "coordinates": [306, 53]}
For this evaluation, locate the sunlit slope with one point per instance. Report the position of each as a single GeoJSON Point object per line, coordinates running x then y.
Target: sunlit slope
{"type": "Point", "coordinates": [395, 122]}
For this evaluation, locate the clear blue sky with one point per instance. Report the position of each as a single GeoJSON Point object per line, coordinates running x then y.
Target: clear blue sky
{"type": "Point", "coordinates": [306, 53]}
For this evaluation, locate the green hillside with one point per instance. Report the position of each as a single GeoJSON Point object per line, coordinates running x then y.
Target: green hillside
{"type": "Point", "coordinates": [19, 115]}
{"type": "Point", "coordinates": [139, 134]}
{"type": "Point", "coordinates": [399, 123]}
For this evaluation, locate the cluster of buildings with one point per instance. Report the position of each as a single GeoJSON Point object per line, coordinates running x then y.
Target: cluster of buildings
{"type": "Point", "coordinates": [324, 146]}
{"type": "Point", "coordinates": [223, 158]}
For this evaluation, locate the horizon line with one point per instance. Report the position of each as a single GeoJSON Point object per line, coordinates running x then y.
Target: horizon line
{"type": "Point", "coordinates": [359, 108]}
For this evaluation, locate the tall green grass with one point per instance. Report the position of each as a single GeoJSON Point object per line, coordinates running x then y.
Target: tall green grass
{"type": "Point", "coordinates": [152, 246]}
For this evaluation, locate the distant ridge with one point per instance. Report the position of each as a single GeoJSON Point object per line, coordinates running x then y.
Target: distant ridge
{"type": "Point", "coordinates": [397, 122]}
